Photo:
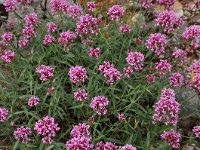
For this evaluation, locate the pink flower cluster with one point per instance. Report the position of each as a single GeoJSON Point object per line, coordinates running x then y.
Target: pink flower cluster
{"type": "Point", "coordinates": [87, 25]}
{"type": "Point", "coordinates": [99, 104]}
{"type": "Point", "coordinates": [23, 43]}
{"type": "Point", "coordinates": [45, 72]}
{"type": "Point", "coordinates": [74, 11]}
{"type": "Point", "coordinates": [180, 55]}
{"type": "Point", "coordinates": [172, 138]}
{"type": "Point", "coordinates": [81, 138]}
{"type": "Point", "coordinates": [10, 5]}
{"type": "Point", "coordinates": [146, 3]}
{"type": "Point", "coordinates": [156, 43]}
{"type": "Point", "coordinates": [127, 147]}
{"type": "Point", "coordinates": [8, 56]}
{"type": "Point", "coordinates": [29, 31]}
{"type": "Point", "coordinates": [176, 80]}
{"type": "Point", "coordinates": [109, 72]}
{"type": "Point", "coordinates": [7, 36]}
{"type": "Point", "coordinates": [91, 6]}
{"type": "Point", "coordinates": [81, 95]}
{"type": "Point", "coordinates": [47, 127]}
{"type": "Point", "coordinates": [51, 27]}
{"type": "Point", "coordinates": [58, 5]}
{"type": "Point", "coordinates": [168, 20]}
{"type": "Point", "coordinates": [150, 78]}
{"type": "Point", "coordinates": [106, 146]}
{"type": "Point", "coordinates": [166, 2]}
{"type": "Point", "coordinates": [135, 60]}
{"type": "Point", "coordinates": [121, 117]}
{"type": "Point", "coordinates": [77, 74]}
{"type": "Point", "coordinates": [48, 39]}
{"type": "Point", "coordinates": [22, 134]}
{"type": "Point", "coordinates": [195, 67]}
{"type": "Point", "coordinates": [128, 71]}
{"type": "Point", "coordinates": [33, 101]}
{"type": "Point", "coordinates": [3, 114]}
{"type": "Point", "coordinates": [192, 33]}
{"type": "Point", "coordinates": [116, 12]}
{"type": "Point", "coordinates": [31, 19]}
{"type": "Point", "coordinates": [163, 65]}
{"type": "Point", "coordinates": [196, 131]}
{"type": "Point", "coordinates": [94, 52]}
{"type": "Point", "coordinates": [167, 108]}
{"type": "Point", "coordinates": [125, 28]}
{"type": "Point", "coordinates": [67, 38]}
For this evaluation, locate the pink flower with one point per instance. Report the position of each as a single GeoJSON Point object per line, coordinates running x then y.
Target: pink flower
{"type": "Point", "coordinates": [168, 20]}
{"type": "Point", "coordinates": [31, 19]}
{"type": "Point", "coordinates": [195, 82]}
{"type": "Point", "coordinates": [33, 101]}
{"type": "Point", "coordinates": [91, 6]}
{"type": "Point", "coordinates": [77, 74]}
{"type": "Point", "coordinates": [135, 59]}
{"type": "Point", "coordinates": [87, 25]}
{"type": "Point", "coordinates": [180, 55]}
{"type": "Point", "coordinates": [128, 71]}
{"type": "Point", "coordinates": [3, 114]}
{"type": "Point", "coordinates": [87, 42]}
{"type": "Point", "coordinates": [10, 5]}
{"type": "Point", "coordinates": [58, 5]}
{"type": "Point", "coordinates": [48, 39]}
{"type": "Point", "coordinates": [121, 117]}
{"type": "Point", "coordinates": [7, 36]}
{"type": "Point", "coordinates": [166, 2]}
{"type": "Point", "coordinates": [8, 56]}
{"type": "Point", "coordinates": [45, 72]}
{"type": "Point", "coordinates": [150, 78]}
{"type": "Point", "coordinates": [47, 127]}
{"type": "Point", "coordinates": [105, 66]}
{"type": "Point", "coordinates": [22, 134]}
{"type": "Point", "coordinates": [163, 65]}
{"type": "Point", "coordinates": [195, 67]}
{"type": "Point", "coordinates": [127, 147]}
{"type": "Point", "coordinates": [106, 146]}
{"type": "Point", "coordinates": [50, 90]}
{"type": "Point", "coordinates": [125, 28]}
{"type": "Point", "coordinates": [79, 143]}
{"type": "Point", "coordinates": [29, 31]}
{"type": "Point", "coordinates": [80, 130]}
{"type": "Point", "coordinates": [91, 120]}
{"type": "Point", "coordinates": [176, 80]}
{"type": "Point", "coordinates": [147, 3]}
{"type": "Point", "coordinates": [99, 104]}
{"type": "Point", "coordinates": [51, 27]}
{"type": "Point", "coordinates": [196, 131]}
{"type": "Point", "coordinates": [172, 138]}
{"type": "Point", "coordinates": [81, 95]}
{"type": "Point", "coordinates": [67, 38]}
{"type": "Point", "coordinates": [74, 11]}
{"type": "Point", "coordinates": [156, 43]}
{"type": "Point", "coordinates": [23, 43]}
{"type": "Point", "coordinates": [116, 12]}
{"type": "Point", "coordinates": [167, 108]}
{"type": "Point", "coordinates": [94, 52]}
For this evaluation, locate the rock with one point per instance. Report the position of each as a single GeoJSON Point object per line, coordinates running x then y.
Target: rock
{"type": "Point", "coordinates": [178, 9]}
{"type": "Point", "coordinates": [195, 19]}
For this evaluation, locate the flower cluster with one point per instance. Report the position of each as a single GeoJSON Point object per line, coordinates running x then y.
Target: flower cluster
{"type": "Point", "coordinates": [48, 39]}
{"type": "Point", "coordinates": [7, 36]}
{"type": "Point", "coordinates": [99, 104]}
{"type": "Point", "coordinates": [151, 78]}
{"type": "Point", "coordinates": [109, 72]}
{"type": "Point", "coordinates": [168, 20]}
{"type": "Point", "coordinates": [176, 80]}
{"type": "Point", "coordinates": [116, 12]}
{"type": "Point", "coordinates": [51, 27]}
{"type": "Point", "coordinates": [156, 43]}
{"type": "Point", "coordinates": [81, 138]}
{"type": "Point", "coordinates": [58, 5]}
{"type": "Point", "coordinates": [146, 3]}
{"type": "Point", "coordinates": [10, 5]}
{"type": "Point", "coordinates": [91, 6]}
{"type": "Point", "coordinates": [22, 134]}
{"type": "Point", "coordinates": [8, 56]}
{"type": "Point", "coordinates": [166, 2]}
{"type": "Point", "coordinates": [67, 38]}
{"type": "Point", "coordinates": [163, 65]}
{"type": "Point", "coordinates": [3, 114]}
{"type": "Point", "coordinates": [33, 101]}
{"type": "Point", "coordinates": [29, 31]}
{"type": "Point", "coordinates": [45, 72]}
{"type": "Point", "coordinates": [81, 95]}
{"type": "Point", "coordinates": [135, 60]}
{"type": "Point", "coordinates": [121, 117]}
{"type": "Point", "coordinates": [31, 19]}
{"type": "Point", "coordinates": [23, 43]}
{"type": "Point", "coordinates": [127, 147]}
{"type": "Point", "coordinates": [128, 71]}
{"type": "Point", "coordinates": [180, 55]}
{"type": "Point", "coordinates": [87, 25]}
{"type": "Point", "coordinates": [167, 108]}
{"type": "Point", "coordinates": [74, 11]}
{"type": "Point", "coordinates": [106, 146]}
{"type": "Point", "coordinates": [47, 127]}
{"type": "Point", "coordinates": [172, 138]}
{"type": "Point", "coordinates": [125, 28]}
{"type": "Point", "coordinates": [94, 52]}
{"type": "Point", "coordinates": [196, 131]}
{"type": "Point", "coordinates": [77, 74]}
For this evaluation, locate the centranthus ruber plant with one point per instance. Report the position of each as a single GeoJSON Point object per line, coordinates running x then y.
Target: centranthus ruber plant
{"type": "Point", "coordinates": [77, 78]}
